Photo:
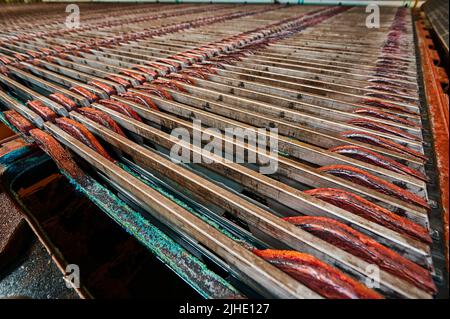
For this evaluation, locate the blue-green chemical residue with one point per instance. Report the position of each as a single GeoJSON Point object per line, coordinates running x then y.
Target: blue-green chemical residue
{"type": "Point", "coordinates": [185, 265]}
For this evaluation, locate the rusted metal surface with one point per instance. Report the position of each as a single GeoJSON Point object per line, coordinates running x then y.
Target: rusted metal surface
{"type": "Point", "coordinates": [438, 104]}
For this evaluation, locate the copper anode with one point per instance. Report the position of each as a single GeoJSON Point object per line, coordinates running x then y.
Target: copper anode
{"type": "Point", "coordinates": [363, 178]}
{"type": "Point", "coordinates": [316, 275]}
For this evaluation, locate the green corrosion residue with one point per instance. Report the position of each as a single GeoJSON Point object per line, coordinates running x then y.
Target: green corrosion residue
{"type": "Point", "coordinates": [188, 267]}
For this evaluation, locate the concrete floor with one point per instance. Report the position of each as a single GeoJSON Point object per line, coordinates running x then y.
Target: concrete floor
{"type": "Point", "coordinates": [35, 276]}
